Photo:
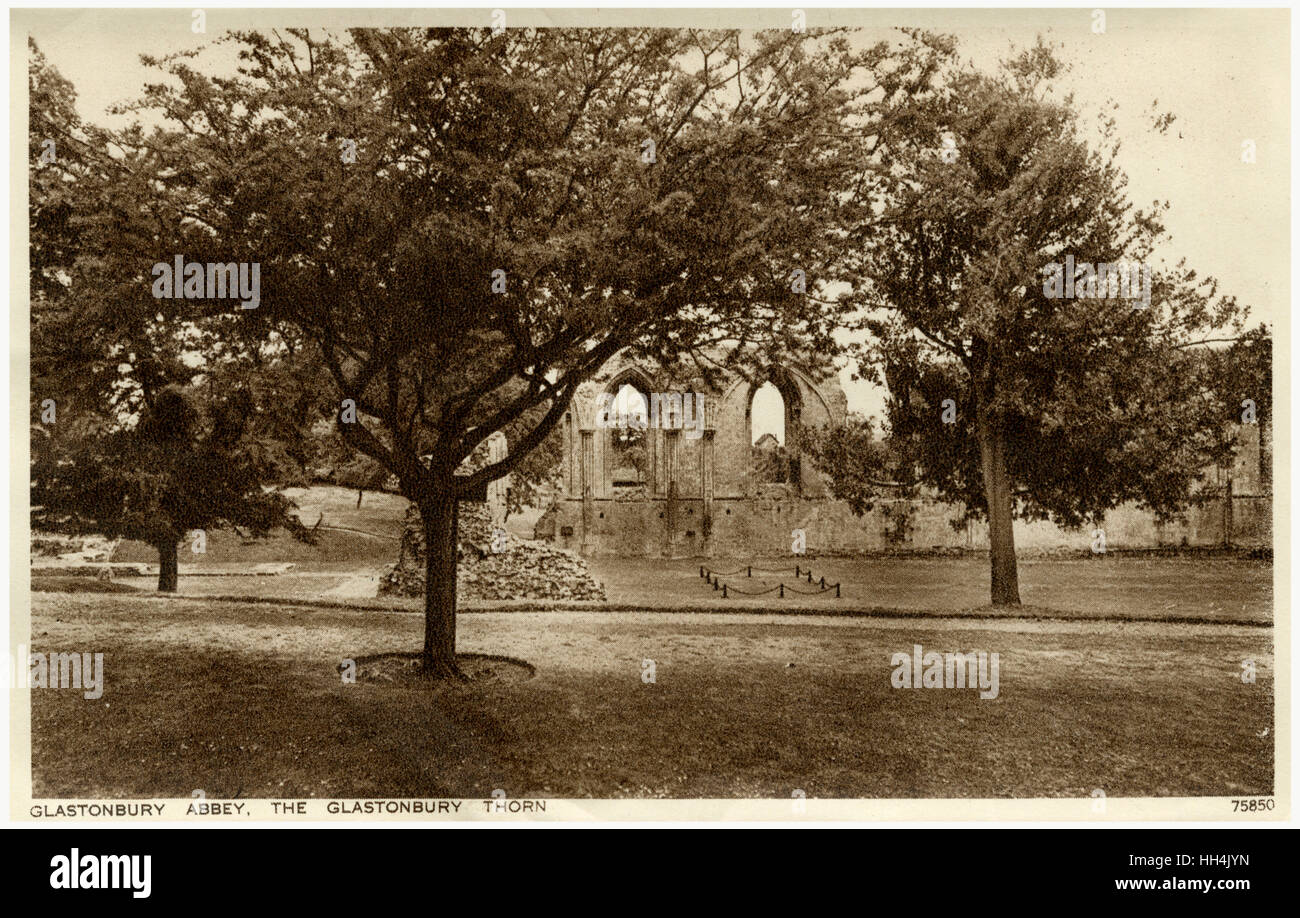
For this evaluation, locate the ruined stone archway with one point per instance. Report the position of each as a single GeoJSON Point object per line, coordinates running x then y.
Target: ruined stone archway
{"type": "Point", "coordinates": [783, 466]}
{"type": "Point", "coordinates": [628, 452]}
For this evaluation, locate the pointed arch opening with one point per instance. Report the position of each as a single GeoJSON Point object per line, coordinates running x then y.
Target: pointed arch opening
{"type": "Point", "coordinates": [626, 419]}
{"type": "Point", "coordinates": [771, 424]}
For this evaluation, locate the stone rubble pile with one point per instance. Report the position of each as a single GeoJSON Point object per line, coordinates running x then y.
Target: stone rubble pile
{"type": "Point", "coordinates": [493, 565]}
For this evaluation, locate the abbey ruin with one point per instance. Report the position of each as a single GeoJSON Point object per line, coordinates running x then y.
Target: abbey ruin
{"type": "Point", "coordinates": [701, 486]}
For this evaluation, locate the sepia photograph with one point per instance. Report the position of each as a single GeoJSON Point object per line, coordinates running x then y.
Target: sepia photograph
{"type": "Point", "coordinates": [751, 414]}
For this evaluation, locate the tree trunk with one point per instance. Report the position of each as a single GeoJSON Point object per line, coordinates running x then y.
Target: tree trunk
{"type": "Point", "coordinates": [439, 518]}
{"type": "Point", "coordinates": [168, 567]}
{"type": "Point", "coordinates": [1005, 589]}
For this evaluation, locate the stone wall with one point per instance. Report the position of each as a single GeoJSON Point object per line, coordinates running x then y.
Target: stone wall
{"type": "Point", "coordinates": [700, 497]}
{"type": "Point", "coordinates": [755, 527]}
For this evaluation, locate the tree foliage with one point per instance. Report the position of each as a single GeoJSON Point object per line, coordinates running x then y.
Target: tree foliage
{"type": "Point", "coordinates": [464, 226]}
{"type": "Point", "coordinates": [1064, 406]}
{"type": "Point", "coordinates": [148, 421]}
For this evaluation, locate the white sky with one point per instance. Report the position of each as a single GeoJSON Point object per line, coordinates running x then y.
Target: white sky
{"type": "Point", "coordinates": [1224, 73]}
{"type": "Point", "coordinates": [768, 414]}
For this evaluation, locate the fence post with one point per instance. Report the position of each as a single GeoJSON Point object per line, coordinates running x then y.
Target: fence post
{"type": "Point", "coordinates": [724, 591]}
{"type": "Point", "coordinates": [783, 591]}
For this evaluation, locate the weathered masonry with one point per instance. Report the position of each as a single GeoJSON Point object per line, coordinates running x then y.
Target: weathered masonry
{"type": "Point", "coordinates": [673, 490]}
{"type": "Point", "coordinates": [705, 488]}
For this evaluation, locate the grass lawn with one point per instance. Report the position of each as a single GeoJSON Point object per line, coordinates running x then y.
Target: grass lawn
{"type": "Point", "coordinates": [1118, 586]}
{"type": "Point", "coordinates": [359, 538]}
{"type": "Point", "coordinates": [1198, 589]}
{"type": "Point", "coordinates": [245, 700]}
{"type": "Point", "coordinates": [347, 561]}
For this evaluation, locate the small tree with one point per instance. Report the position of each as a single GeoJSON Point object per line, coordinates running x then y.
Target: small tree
{"type": "Point", "coordinates": [1238, 381]}
{"type": "Point", "coordinates": [188, 466]}
{"type": "Point", "coordinates": [149, 419]}
{"type": "Point", "coordinates": [857, 465]}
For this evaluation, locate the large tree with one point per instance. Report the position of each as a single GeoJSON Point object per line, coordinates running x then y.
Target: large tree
{"type": "Point", "coordinates": [464, 226]}
{"type": "Point", "coordinates": [1007, 394]}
